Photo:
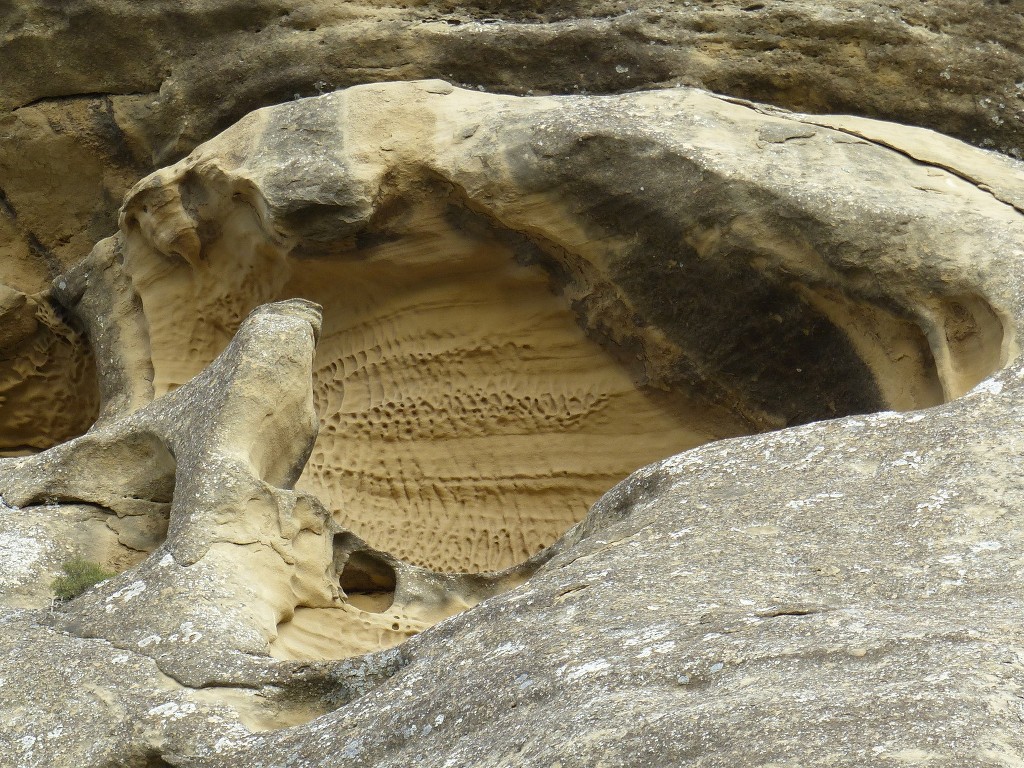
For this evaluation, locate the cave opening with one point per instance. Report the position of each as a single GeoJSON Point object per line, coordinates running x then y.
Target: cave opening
{"type": "Point", "coordinates": [480, 380]}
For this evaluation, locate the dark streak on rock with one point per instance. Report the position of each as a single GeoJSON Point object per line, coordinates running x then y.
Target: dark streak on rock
{"type": "Point", "coordinates": [52, 262]}
{"type": "Point", "coordinates": [75, 96]}
{"type": "Point", "coordinates": [6, 207]}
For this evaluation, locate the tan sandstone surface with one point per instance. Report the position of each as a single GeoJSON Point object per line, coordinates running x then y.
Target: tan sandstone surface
{"type": "Point", "coordinates": [97, 94]}
{"type": "Point", "coordinates": [492, 359]}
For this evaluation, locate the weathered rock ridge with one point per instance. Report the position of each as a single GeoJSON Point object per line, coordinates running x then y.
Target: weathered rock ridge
{"type": "Point", "coordinates": [98, 93]}
{"type": "Point", "coordinates": [364, 359]}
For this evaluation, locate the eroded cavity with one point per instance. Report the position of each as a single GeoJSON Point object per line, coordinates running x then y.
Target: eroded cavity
{"type": "Point", "coordinates": [466, 418]}
{"type": "Point", "coordinates": [48, 387]}
{"type": "Point", "coordinates": [479, 387]}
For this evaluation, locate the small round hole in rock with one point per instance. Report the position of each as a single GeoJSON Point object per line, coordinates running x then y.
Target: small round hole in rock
{"type": "Point", "coordinates": [368, 582]}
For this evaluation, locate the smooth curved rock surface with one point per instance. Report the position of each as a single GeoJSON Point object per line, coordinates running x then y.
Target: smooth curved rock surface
{"type": "Point", "coordinates": [97, 93]}
{"type": "Point", "coordinates": [844, 591]}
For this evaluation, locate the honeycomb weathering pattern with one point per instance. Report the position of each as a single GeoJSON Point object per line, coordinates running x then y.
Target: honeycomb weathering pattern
{"type": "Point", "coordinates": [50, 375]}
{"type": "Point", "coordinates": [466, 419]}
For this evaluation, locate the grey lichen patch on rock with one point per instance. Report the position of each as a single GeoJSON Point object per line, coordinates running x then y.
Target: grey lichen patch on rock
{"type": "Point", "coordinates": [36, 540]}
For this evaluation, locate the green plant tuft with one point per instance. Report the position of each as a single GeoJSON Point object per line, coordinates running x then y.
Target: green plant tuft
{"type": "Point", "coordinates": [79, 575]}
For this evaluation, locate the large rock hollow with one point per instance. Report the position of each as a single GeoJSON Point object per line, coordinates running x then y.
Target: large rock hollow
{"type": "Point", "coordinates": [467, 418]}
{"type": "Point", "coordinates": [478, 386]}
{"type": "Point", "coordinates": [513, 320]}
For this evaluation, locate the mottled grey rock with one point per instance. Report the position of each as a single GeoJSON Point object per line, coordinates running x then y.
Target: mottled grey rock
{"type": "Point", "coordinates": [843, 593]}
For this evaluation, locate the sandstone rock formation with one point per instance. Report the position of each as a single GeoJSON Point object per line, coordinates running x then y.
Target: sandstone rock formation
{"type": "Point", "coordinates": [518, 301]}
{"type": "Point", "coordinates": [337, 399]}
{"type": "Point", "coordinates": [462, 409]}
{"type": "Point", "coordinates": [97, 93]}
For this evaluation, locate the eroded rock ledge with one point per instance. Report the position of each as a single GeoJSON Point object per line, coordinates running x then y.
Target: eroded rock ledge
{"type": "Point", "coordinates": [523, 300]}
